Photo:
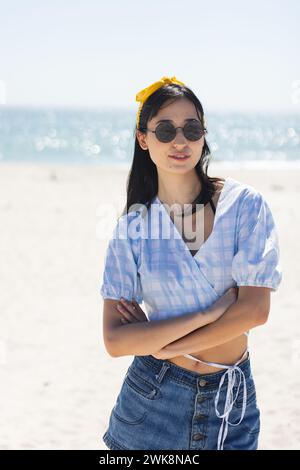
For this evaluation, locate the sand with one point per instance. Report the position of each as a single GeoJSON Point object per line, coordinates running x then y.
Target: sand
{"type": "Point", "coordinates": [58, 383]}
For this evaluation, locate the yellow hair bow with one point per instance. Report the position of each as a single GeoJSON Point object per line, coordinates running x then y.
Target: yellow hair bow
{"type": "Point", "coordinates": [142, 95]}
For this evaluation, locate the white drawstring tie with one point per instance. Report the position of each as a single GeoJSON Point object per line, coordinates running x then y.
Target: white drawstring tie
{"type": "Point", "coordinates": [231, 373]}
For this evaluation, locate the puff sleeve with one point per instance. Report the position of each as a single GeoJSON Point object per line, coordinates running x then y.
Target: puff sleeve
{"type": "Point", "coordinates": [256, 261]}
{"type": "Point", "coordinates": [120, 276]}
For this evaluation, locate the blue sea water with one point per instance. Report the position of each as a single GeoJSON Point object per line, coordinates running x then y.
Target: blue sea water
{"type": "Point", "coordinates": [107, 136]}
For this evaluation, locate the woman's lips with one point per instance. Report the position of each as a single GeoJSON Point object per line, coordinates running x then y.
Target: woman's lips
{"type": "Point", "coordinates": [179, 156]}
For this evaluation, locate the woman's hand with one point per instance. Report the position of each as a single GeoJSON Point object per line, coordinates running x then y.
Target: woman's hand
{"type": "Point", "coordinates": [130, 312]}
{"type": "Point", "coordinates": [159, 354]}
{"type": "Point", "coordinates": [223, 303]}
{"type": "Point", "coordinates": [164, 353]}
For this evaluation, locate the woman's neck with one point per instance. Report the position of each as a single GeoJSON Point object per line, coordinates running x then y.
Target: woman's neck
{"type": "Point", "coordinates": [178, 189]}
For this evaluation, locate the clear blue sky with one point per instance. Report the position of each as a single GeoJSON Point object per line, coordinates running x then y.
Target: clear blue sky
{"type": "Point", "coordinates": [235, 55]}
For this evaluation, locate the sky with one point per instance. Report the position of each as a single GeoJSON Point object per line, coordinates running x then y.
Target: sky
{"type": "Point", "coordinates": [235, 55]}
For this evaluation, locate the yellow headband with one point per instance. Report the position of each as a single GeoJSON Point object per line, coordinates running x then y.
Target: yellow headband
{"type": "Point", "coordinates": [146, 92]}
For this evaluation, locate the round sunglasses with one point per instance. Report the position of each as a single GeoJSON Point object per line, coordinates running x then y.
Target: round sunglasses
{"type": "Point", "coordinates": [166, 132]}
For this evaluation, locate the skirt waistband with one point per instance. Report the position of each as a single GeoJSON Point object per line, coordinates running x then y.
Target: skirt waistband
{"type": "Point", "coordinates": [208, 381]}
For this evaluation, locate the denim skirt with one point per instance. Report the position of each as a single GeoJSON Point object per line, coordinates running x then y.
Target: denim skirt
{"type": "Point", "coordinates": [163, 406]}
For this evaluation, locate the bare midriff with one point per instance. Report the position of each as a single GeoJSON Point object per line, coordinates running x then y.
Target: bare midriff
{"type": "Point", "coordinates": [226, 353]}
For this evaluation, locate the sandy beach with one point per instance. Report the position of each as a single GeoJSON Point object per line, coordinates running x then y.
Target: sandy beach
{"type": "Point", "coordinates": [58, 383]}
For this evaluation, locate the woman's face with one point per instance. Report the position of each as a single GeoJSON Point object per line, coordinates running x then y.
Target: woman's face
{"type": "Point", "coordinates": [177, 111]}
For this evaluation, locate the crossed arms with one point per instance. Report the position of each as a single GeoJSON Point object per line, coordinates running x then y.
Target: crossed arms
{"type": "Point", "coordinates": [188, 333]}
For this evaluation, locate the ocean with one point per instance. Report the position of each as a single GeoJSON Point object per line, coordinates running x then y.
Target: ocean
{"type": "Point", "coordinates": [90, 136]}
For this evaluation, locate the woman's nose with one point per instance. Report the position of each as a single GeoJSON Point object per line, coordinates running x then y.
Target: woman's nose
{"type": "Point", "coordinates": [179, 138]}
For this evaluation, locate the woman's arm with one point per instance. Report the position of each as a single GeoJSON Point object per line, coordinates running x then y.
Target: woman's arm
{"type": "Point", "coordinates": [141, 337]}
{"type": "Point", "coordinates": [250, 310]}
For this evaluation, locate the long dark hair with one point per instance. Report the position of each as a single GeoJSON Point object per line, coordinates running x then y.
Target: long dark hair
{"type": "Point", "coordinates": [142, 181]}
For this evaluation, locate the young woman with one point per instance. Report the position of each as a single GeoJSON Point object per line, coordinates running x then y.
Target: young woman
{"type": "Point", "coordinates": [190, 384]}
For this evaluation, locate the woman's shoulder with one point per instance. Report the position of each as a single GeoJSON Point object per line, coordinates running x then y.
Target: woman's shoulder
{"type": "Point", "coordinates": [247, 202]}
{"type": "Point", "coordinates": [242, 191]}
{"type": "Point", "coordinates": [133, 215]}
{"type": "Point", "coordinates": [237, 197]}
{"type": "Point", "coordinates": [128, 224]}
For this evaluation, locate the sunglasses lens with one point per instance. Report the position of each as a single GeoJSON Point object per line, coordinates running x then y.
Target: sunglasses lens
{"type": "Point", "coordinates": [193, 131]}
{"type": "Point", "coordinates": [165, 132]}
